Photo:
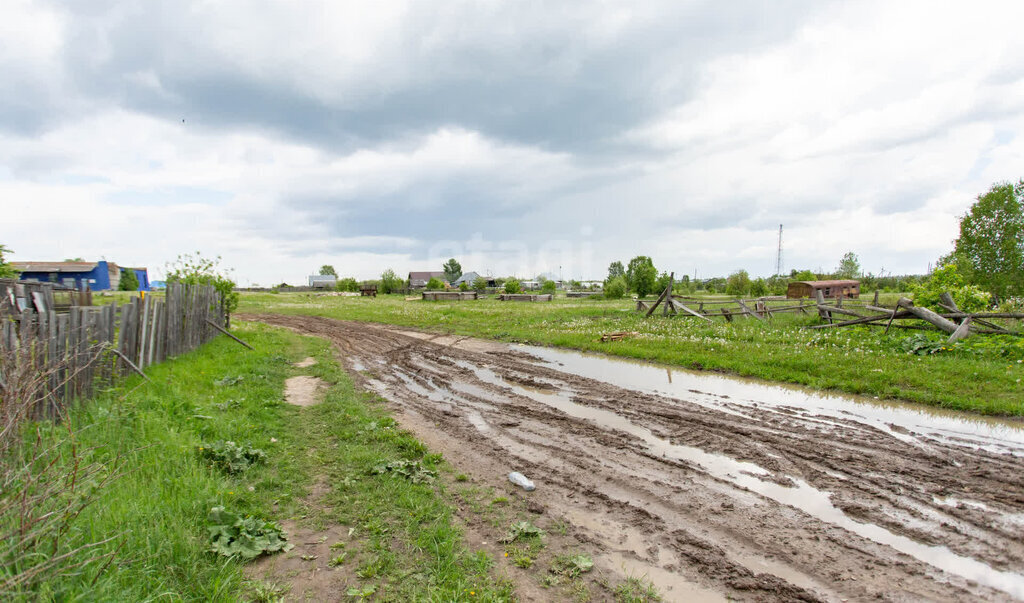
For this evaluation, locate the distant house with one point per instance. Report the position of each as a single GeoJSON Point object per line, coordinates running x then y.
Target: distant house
{"type": "Point", "coordinates": [419, 280]}
{"type": "Point", "coordinates": [322, 281]}
{"type": "Point", "coordinates": [98, 276]}
{"type": "Point", "coordinates": [470, 277]}
{"type": "Point", "coordinates": [829, 289]}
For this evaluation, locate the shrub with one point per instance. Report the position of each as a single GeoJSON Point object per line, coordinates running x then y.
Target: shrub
{"type": "Point", "coordinates": [968, 298]}
{"type": "Point", "coordinates": [191, 269]}
{"type": "Point", "coordinates": [641, 275]}
{"type": "Point", "coordinates": [662, 283]}
{"type": "Point", "coordinates": [347, 284]}
{"type": "Point", "coordinates": [6, 270]}
{"type": "Point", "coordinates": [463, 286]}
{"type": "Point", "coordinates": [129, 282]}
{"type": "Point", "coordinates": [548, 287]}
{"type": "Point", "coordinates": [759, 288]}
{"type": "Point", "coordinates": [435, 284]}
{"type": "Point", "coordinates": [512, 285]}
{"type": "Point", "coordinates": [480, 284]}
{"type": "Point", "coordinates": [738, 283]}
{"type": "Point", "coordinates": [615, 288]}
{"type": "Point", "coordinates": [389, 282]}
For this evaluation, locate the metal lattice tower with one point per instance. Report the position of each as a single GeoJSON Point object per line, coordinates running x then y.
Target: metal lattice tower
{"type": "Point", "coordinates": [778, 255]}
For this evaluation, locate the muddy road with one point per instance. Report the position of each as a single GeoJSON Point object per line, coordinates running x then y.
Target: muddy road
{"type": "Point", "coordinates": [716, 488]}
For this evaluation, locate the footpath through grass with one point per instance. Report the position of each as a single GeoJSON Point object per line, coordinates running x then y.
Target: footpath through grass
{"type": "Point", "coordinates": [981, 374]}
{"type": "Point", "coordinates": [403, 543]}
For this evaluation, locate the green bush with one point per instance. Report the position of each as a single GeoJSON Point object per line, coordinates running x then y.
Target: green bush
{"type": "Point", "coordinates": [480, 284]}
{"type": "Point", "coordinates": [641, 275]}
{"type": "Point", "coordinates": [548, 287]}
{"type": "Point", "coordinates": [463, 286]}
{"type": "Point", "coordinates": [662, 283]}
{"type": "Point", "coordinates": [615, 288]}
{"type": "Point", "coordinates": [759, 288]}
{"type": "Point", "coordinates": [738, 283]}
{"type": "Point", "coordinates": [129, 282]}
{"type": "Point", "coordinates": [6, 270]}
{"type": "Point", "coordinates": [191, 269]}
{"type": "Point", "coordinates": [435, 284]}
{"type": "Point", "coordinates": [512, 286]}
{"type": "Point", "coordinates": [968, 298]}
{"type": "Point", "coordinates": [347, 284]}
{"type": "Point", "coordinates": [389, 282]}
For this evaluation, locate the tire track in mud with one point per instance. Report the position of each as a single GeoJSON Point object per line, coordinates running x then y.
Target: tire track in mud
{"type": "Point", "coordinates": [717, 497]}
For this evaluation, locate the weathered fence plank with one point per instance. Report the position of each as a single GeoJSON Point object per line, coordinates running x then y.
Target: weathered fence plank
{"type": "Point", "coordinates": [78, 350]}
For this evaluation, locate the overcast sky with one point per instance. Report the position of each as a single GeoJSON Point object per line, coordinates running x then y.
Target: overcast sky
{"type": "Point", "coordinates": [519, 136]}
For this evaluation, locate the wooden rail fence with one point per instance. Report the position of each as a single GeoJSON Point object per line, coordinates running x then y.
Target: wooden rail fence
{"type": "Point", "coordinates": [90, 346]}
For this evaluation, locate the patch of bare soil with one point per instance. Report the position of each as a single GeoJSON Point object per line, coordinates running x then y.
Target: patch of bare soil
{"type": "Point", "coordinates": [707, 501]}
{"type": "Point", "coordinates": [305, 363]}
{"type": "Point", "coordinates": [306, 570]}
{"type": "Point", "coordinates": [303, 390]}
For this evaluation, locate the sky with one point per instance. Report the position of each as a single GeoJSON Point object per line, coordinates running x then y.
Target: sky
{"type": "Point", "coordinates": [520, 137]}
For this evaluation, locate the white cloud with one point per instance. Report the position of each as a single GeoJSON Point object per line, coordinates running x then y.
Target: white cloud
{"type": "Point", "coordinates": [864, 127]}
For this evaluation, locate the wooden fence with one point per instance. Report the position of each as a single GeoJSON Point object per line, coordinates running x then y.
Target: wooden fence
{"type": "Point", "coordinates": [16, 296]}
{"type": "Point", "coordinates": [90, 346]}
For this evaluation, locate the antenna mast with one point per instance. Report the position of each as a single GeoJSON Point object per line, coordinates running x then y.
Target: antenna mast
{"type": "Point", "coordinates": [778, 255]}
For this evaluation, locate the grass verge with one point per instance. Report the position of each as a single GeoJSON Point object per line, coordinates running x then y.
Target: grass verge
{"type": "Point", "coordinates": [404, 541]}
{"type": "Point", "coordinates": [983, 374]}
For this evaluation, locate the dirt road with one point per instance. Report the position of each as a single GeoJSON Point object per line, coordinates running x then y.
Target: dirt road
{"type": "Point", "coordinates": [715, 494]}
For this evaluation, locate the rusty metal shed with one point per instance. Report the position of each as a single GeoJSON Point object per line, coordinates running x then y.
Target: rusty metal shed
{"type": "Point", "coordinates": [829, 289]}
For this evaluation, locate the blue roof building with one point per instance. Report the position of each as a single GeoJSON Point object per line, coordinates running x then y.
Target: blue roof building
{"type": "Point", "coordinates": [98, 276]}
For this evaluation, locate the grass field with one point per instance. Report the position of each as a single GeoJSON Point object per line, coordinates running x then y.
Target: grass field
{"type": "Point", "coordinates": [153, 435]}
{"type": "Point", "coordinates": [981, 374]}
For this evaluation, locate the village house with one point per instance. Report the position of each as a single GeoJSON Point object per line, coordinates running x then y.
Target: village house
{"type": "Point", "coordinates": [419, 280]}
{"type": "Point", "coordinates": [97, 276]}
{"type": "Point", "coordinates": [470, 277]}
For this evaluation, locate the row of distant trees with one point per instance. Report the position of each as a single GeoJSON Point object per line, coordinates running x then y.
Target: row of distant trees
{"type": "Point", "coordinates": [988, 255]}
{"type": "Point", "coordinates": [985, 266]}
{"type": "Point", "coordinates": [390, 282]}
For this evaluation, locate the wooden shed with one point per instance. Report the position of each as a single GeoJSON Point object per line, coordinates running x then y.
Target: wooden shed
{"type": "Point", "coordinates": [829, 289]}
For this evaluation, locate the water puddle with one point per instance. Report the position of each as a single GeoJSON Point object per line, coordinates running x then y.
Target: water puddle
{"type": "Point", "coordinates": [801, 495]}
{"type": "Point", "coordinates": [900, 420]}
{"type": "Point", "coordinates": [674, 587]}
{"type": "Point", "coordinates": [478, 422]}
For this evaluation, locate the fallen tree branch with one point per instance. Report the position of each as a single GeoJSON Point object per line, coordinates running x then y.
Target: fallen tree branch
{"type": "Point", "coordinates": [927, 315]}
{"type": "Point", "coordinates": [860, 321]}
{"type": "Point", "coordinates": [225, 331]}
{"type": "Point", "coordinates": [134, 367]}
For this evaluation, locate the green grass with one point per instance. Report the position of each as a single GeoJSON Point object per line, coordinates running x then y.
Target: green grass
{"type": "Point", "coordinates": [405, 544]}
{"type": "Point", "coordinates": [636, 590]}
{"type": "Point", "coordinates": [983, 374]}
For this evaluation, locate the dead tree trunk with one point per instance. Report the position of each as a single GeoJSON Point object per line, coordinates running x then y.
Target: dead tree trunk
{"type": "Point", "coordinates": [928, 316]}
